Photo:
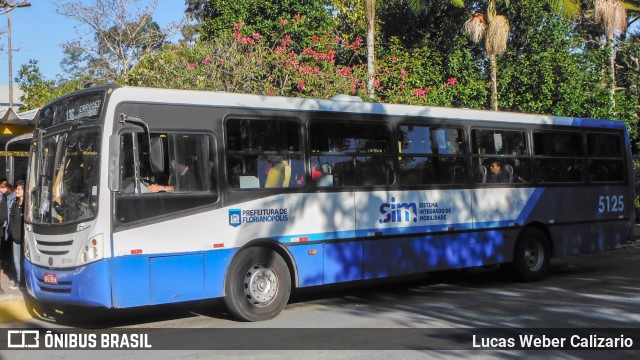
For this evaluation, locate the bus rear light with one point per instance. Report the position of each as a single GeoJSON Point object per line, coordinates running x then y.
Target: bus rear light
{"type": "Point", "coordinates": [136, 251]}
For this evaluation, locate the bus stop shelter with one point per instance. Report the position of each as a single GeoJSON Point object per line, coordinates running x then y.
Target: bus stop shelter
{"type": "Point", "coordinates": [14, 159]}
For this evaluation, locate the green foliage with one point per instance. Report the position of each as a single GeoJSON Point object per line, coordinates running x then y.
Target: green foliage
{"type": "Point", "coordinates": [37, 90]}
{"type": "Point", "coordinates": [260, 64]}
{"type": "Point", "coordinates": [315, 49]}
{"type": "Point", "coordinates": [547, 70]}
{"type": "Point", "coordinates": [301, 19]}
{"type": "Point", "coordinates": [250, 64]}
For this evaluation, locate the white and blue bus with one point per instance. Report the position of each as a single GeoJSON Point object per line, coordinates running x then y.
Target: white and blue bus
{"type": "Point", "coordinates": [140, 196]}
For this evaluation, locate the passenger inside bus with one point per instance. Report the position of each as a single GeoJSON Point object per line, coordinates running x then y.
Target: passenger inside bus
{"type": "Point", "coordinates": [325, 179]}
{"type": "Point", "coordinates": [184, 181]}
{"type": "Point", "coordinates": [497, 174]}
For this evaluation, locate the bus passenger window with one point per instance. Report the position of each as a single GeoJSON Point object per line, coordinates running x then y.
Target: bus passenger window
{"type": "Point", "coordinates": [264, 153]}
{"type": "Point", "coordinates": [431, 155]}
{"type": "Point", "coordinates": [188, 179]}
{"type": "Point", "coordinates": [558, 156]}
{"type": "Point", "coordinates": [501, 156]}
{"type": "Point", "coordinates": [350, 154]}
{"type": "Point", "coordinates": [189, 166]}
{"type": "Point", "coordinates": [606, 162]}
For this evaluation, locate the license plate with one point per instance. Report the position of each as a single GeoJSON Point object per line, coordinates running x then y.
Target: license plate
{"type": "Point", "coordinates": [50, 279]}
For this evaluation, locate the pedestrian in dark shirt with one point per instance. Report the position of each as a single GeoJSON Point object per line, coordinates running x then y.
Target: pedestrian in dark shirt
{"type": "Point", "coordinates": [5, 245]}
{"type": "Point", "coordinates": [16, 232]}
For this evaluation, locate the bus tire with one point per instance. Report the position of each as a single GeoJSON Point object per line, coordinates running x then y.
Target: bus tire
{"type": "Point", "coordinates": [258, 285]}
{"type": "Point", "coordinates": [532, 255]}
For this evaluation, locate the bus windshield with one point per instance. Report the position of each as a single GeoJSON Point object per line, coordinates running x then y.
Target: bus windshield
{"type": "Point", "coordinates": [63, 179]}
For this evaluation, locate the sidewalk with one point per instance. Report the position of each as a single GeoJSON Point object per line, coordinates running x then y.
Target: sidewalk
{"type": "Point", "coordinates": [12, 305]}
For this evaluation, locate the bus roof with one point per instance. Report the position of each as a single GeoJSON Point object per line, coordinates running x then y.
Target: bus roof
{"type": "Point", "coordinates": [210, 98]}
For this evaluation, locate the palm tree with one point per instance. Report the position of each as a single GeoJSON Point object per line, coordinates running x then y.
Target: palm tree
{"type": "Point", "coordinates": [612, 15]}
{"type": "Point", "coordinates": [371, 57]}
{"type": "Point", "coordinates": [356, 10]}
{"type": "Point", "coordinates": [494, 31]}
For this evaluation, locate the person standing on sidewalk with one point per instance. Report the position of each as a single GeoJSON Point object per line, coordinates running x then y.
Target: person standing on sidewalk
{"type": "Point", "coordinates": [5, 245]}
{"type": "Point", "coordinates": [15, 226]}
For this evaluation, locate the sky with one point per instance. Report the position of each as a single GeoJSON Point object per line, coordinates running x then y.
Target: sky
{"type": "Point", "coordinates": [38, 31]}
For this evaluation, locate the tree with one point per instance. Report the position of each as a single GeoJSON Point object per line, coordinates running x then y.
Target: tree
{"type": "Point", "coordinates": [420, 5]}
{"type": "Point", "coordinates": [354, 11]}
{"type": "Point", "coordinates": [116, 35]}
{"type": "Point", "coordinates": [612, 16]}
{"type": "Point", "coordinates": [546, 68]}
{"type": "Point", "coordinates": [494, 31]}
{"type": "Point", "coordinates": [303, 18]}
{"type": "Point", "coordinates": [38, 91]}
{"type": "Point", "coordinates": [371, 57]}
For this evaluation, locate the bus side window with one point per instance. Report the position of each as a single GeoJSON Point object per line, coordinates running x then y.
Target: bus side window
{"type": "Point", "coordinates": [264, 153]}
{"type": "Point", "coordinates": [189, 169]}
{"type": "Point", "coordinates": [186, 153]}
{"type": "Point", "coordinates": [558, 156]}
{"type": "Point", "coordinates": [507, 148]}
{"type": "Point", "coordinates": [431, 155]}
{"type": "Point", "coordinates": [350, 154]}
{"type": "Point", "coordinates": [606, 162]}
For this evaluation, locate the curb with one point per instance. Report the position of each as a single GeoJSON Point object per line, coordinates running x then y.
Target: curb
{"type": "Point", "coordinates": [14, 310]}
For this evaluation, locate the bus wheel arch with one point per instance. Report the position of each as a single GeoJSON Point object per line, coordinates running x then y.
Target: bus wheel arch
{"type": "Point", "coordinates": [258, 282]}
{"type": "Point", "coordinates": [532, 253]}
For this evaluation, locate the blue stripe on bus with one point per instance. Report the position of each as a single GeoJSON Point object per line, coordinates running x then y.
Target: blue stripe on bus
{"type": "Point", "coordinates": [413, 229]}
{"type": "Point", "coordinates": [534, 199]}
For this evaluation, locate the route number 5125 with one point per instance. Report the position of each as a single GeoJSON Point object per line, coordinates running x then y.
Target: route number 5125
{"type": "Point", "coordinates": [611, 203]}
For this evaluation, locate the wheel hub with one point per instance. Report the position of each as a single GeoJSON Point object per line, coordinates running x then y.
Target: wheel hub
{"type": "Point", "coordinates": [260, 285]}
{"type": "Point", "coordinates": [533, 255]}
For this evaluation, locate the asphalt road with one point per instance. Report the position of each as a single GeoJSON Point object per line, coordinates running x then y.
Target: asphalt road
{"type": "Point", "coordinates": [584, 292]}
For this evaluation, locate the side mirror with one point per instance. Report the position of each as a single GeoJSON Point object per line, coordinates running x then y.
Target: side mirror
{"type": "Point", "coordinates": [156, 155]}
{"type": "Point", "coordinates": [114, 162]}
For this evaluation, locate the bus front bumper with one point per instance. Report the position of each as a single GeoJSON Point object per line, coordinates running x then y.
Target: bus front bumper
{"type": "Point", "coordinates": [88, 285]}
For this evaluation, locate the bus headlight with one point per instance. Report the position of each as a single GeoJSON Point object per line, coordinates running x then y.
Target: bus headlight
{"type": "Point", "coordinates": [91, 250]}
{"type": "Point", "coordinates": [27, 251]}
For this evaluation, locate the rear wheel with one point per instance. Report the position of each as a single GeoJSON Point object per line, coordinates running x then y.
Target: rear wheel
{"type": "Point", "coordinates": [532, 255]}
{"type": "Point", "coordinates": [258, 285]}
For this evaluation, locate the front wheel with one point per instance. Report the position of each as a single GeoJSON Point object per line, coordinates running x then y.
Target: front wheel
{"type": "Point", "coordinates": [258, 285]}
{"type": "Point", "coordinates": [532, 255]}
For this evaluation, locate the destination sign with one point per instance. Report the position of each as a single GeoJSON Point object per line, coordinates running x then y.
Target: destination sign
{"type": "Point", "coordinates": [79, 107]}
